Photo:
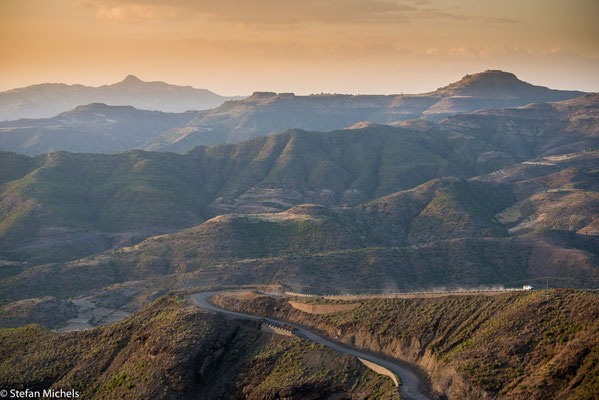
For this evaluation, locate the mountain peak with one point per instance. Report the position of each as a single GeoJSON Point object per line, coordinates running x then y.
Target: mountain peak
{"type": "Point", "coordinates": [488, 77]}
{"type": "Point", "coordinates": [496, 73]}
{"type": "Point", "coordinates": [491, 82]}
{"type": "Point", "coordinates": [131, 80]}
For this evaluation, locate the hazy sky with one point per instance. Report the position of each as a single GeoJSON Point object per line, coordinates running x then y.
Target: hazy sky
{"type": "Point", "coordinates": [305, 46]}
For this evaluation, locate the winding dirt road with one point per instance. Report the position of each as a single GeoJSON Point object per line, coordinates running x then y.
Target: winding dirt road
{"type": "Point", "coordinates": [411, 384]}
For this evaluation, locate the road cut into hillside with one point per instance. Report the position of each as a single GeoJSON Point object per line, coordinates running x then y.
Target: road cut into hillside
{"type": "Point", "coordinates": [412, 385]}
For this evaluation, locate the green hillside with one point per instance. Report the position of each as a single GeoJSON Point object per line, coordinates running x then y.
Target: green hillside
{"type": "Point", "coordinates": [90, 202]}
{"type": "Point", "coordinates": [447, 232]}
{"type": "Point", "coordinates": [410, 207]}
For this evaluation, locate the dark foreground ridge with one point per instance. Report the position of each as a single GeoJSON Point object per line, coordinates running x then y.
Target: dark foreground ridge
{"type": "Point", "coordinates": [173, 350]}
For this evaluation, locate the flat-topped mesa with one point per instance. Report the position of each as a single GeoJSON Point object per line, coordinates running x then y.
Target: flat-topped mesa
{"type": "Point", "coordinates": [262, 96]}
{"type": "Point", "coordinates": [492, 74]}
{"type": "Point", "coordinates": [98, 107]}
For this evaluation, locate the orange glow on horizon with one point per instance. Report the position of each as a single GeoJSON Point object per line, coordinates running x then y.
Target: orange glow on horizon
{"type": "Point", "coordinates": [347, 46]}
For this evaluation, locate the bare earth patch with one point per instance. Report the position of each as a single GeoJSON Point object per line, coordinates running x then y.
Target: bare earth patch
{"type": "Point", "coordinates": [322, 308]}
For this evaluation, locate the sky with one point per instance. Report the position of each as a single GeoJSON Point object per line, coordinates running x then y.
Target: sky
{"type": "Point", "coordinates": [236, 47]}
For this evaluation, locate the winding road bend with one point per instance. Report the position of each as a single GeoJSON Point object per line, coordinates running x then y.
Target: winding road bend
{"type": "Point", "coordinates": [411, 383]}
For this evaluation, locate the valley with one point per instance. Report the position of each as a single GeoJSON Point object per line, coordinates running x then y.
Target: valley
{"type": "Point", "coordinates": [268, 174]}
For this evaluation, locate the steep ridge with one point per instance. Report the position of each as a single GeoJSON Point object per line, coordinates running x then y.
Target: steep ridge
{"type": "Point", "coordinates": [536, 129]}
{"type": "Point", "coordinates": [521, 221]}
{"type": "Point", "coordinates": [93, 200]}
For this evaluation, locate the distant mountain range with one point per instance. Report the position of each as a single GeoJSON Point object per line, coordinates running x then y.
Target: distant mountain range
{"type": "Point", "coordinates": [101, 128]}
{"type": "Point", "coordinates": [48, 99]}
{"type": "Point", "coordinates": [265, 113]}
